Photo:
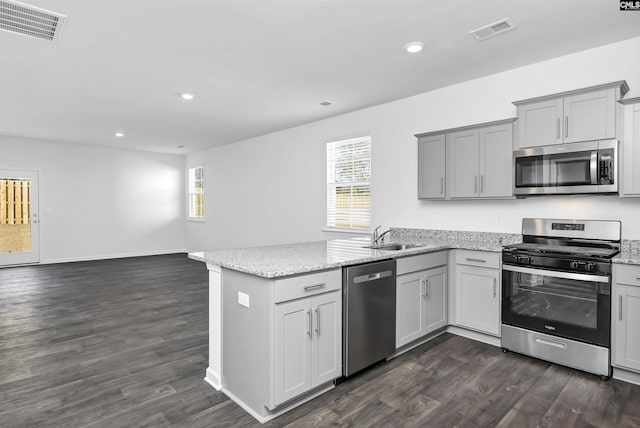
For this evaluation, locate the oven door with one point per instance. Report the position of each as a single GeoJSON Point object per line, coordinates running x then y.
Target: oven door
{"type": "Point", "coordinates": [566, 304]}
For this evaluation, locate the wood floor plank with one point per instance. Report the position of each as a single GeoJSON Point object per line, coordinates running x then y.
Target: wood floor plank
{"type": "Point", "coordinates": [123, 343]}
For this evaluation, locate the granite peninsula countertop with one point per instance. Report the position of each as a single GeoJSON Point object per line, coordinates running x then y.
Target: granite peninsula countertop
{"type": "Point", "coordinates": [292, 259]}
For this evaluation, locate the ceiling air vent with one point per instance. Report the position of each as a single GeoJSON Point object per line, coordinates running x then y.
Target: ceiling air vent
{"type": "Point", "coordinates": [493, 29]}
{"type": "Point", "coordinates": [30, 21]}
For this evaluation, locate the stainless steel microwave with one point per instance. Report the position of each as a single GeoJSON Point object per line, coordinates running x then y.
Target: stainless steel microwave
{"type": "Point", "coordinates": [575, 168]}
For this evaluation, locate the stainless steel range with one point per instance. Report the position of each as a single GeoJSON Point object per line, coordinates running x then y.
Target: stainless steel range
{"type": "Point", "coordinates": [556, 297]}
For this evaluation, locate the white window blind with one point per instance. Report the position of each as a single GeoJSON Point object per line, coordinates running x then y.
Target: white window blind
{"type": "Point", "coordinates": [349, 183]}
{"type": "Point", "coordinates": [196, 192]}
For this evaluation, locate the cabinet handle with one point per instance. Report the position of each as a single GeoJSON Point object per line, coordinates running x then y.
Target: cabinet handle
{"type": "Point", "coordinates": [424, 283]}
{"type": "Point", "coordinates": [428, 289]}
{"type": "Point", "coordinates": [495, 281]}
{"type": "Point", "coordinates": [313, 287]}
{"type": "Point", "coordinates": [317, 322]}
{"type": "Point", "coordinates": [566, 126]}
{"type": "Point", "coordinates": [476, 260]}
{"type": "Point", "coordinates": [620, 308]}
{"type": "Point", "coordinates": [475, 184]}
{"type": "Point", "coordinates": [481, 184]}
{"type": "Point", "coordinates": [309, 325]}
{"type": "Point", "coordinates": [442, 185]}
{"type": "Point", "coordinates": [558, 129]}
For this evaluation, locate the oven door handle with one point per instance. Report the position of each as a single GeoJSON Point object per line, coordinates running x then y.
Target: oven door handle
{"type": "Point", "coordinates": [556, 274]}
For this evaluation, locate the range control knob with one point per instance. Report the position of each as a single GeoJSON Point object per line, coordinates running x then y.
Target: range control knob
{"type": "Point", "coordinates": [573, 265]}
{"type": "Point", "coordinates": [591, 267]}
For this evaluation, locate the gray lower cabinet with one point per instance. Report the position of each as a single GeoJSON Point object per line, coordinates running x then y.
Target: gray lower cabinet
{"type": "Point", "coordinates": [431, 167]}
{"type": "Point", "coordinates": [281, 338]}
{"type": "Point", "coordinates": [580, 115]}
{"type": "Point", "coordinates": [626, 317]}
{"type": "Point", "coordinates": [421, 296]}
{"type": "Point", "coordinates": [477, 291]}
{"type": "Point", "coordinates": [307, 344]}
{"type": "Point", "coordinates": [629, 155]}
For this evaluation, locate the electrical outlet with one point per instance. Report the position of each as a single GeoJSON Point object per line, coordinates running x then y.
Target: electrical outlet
{"type": "Point", "coordinates": [243, 299]}
{"type": "Point", "coordinates": [499, 219]}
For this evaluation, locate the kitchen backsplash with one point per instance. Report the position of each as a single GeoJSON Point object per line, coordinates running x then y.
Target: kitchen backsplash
{"type": "Point", "coordinates": [402, 234]}
{"type": "Point", "coordinates": [631, 246]}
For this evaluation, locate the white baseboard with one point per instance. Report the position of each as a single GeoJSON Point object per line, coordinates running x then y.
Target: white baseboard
{"type": "Point", "coordinates": [626, 376]}
{"type": "Point", "coordinates": [474, 335]}
{"type": "Point", "coordinates": [273, 415]}
{"type": "Point", "coordinates": [112, 256]}
{"type": "Point", "coordinates": [213, 379]}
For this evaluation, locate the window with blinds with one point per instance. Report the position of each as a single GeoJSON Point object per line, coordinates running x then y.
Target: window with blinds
{"type": "Point", "coordinates": [349, 183]}
{"type": "Point", "coordinates": [196, 193]}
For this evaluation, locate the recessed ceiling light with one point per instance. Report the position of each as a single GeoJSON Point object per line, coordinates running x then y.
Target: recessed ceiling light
{"type": "Point", "coordinates": [326, 103]}
{"type": "Point", "coordinates": [414, 47]}
{"type": "Point", "coordinates": [187, 96]}
{"type": "Point", "coordinates": [119, 134]}
{"type": "Point", "coordinates": [179, 147]}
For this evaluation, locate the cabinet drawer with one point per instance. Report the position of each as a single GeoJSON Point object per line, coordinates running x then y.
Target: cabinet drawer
{"type": "Point", "coordinates": [307, 285]}
{"type": "Point", "coordinates": [420, 262]}
{"type": "Point", "coordinates": [627, 274]}
{"type": "Point", "coordinates": [478, 258]}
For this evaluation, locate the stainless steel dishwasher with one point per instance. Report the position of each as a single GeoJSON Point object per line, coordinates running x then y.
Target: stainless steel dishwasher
{"type": "Point", "coordinates": [369, 314]}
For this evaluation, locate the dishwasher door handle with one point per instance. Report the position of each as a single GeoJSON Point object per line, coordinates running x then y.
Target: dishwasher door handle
{"type": "Point", "coordinates": [372, 276]}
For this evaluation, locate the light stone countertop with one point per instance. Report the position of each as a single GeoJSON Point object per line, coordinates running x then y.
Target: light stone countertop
{"type": "Point", "coordinates": [292, 259]}
{"type": "Point", "coordinates": [627, 258]}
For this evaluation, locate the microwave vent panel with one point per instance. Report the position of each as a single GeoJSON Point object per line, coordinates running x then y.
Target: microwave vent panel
{"type": "Point", "coordinates": [30, 21]}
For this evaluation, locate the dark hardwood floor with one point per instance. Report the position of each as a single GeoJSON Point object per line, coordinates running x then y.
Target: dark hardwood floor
{"type": "Point", "coordinates": [123, 343]}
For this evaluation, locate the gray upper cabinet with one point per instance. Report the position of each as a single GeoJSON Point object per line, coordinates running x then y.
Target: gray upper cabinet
{"type": "Point", "coordinates": [581, 115]}
{"type": "Point", "coordinates": [463, 149]}
{"type": "Point", "coordinates": [630, 149]}
{"type": "Point", "coordinates": [466, 163]}
{"type": "Point", "coordinates": [539, 124]}
{"type": "Point", "coordinates": [431, 172]}
{"type": "Point", "coordinates": [496, 176]}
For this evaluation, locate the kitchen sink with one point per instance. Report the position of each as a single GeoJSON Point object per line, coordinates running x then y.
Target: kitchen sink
{"type": "Point", "coordinates": [393, 247]}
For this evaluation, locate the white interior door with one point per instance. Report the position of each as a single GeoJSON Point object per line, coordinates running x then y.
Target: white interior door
{"type": "Point", "coordinates": [19, 218]}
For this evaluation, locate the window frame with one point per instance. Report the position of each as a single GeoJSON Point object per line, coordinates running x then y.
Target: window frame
{"type": "Point", "coordinates": [329, 185]}
{"type": "Point", "coordinates": [191, 191]}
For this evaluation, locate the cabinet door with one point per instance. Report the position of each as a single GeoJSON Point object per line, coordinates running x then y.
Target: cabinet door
{"type": "Point", "coordinates": [431, 163]}
{"type": "Point", "coordinates": [539, 124]}
{"type": "Point", "coordinates": [626, 327]}
{"type": "Point", "coordinates": [462, 164]}
{"type": "Point", "coordinates": [435, 313]}
{"type": "Point", "coordinates": [410, 289]}
{"type": "Point", "coordinates": [496, 171]}
{"type": "Point", "coordinates": [293, 331]}
{"type": "Point", "coordinates": [326, 361]}
{"type": "Point", "coordinates": [589, 116]}
{"type": "Point", "coordinates": [630, 154]}
{"type": "Point", "coordinates": [478, 299]}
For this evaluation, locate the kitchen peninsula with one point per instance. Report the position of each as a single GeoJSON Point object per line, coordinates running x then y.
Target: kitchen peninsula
{"type": "Point", "coordinates": [260, 297]}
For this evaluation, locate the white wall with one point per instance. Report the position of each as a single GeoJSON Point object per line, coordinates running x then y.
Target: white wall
{"type": "Point", "coordinates": [98, 202]}
{"type": "Point", "coordinates": [271, 189]}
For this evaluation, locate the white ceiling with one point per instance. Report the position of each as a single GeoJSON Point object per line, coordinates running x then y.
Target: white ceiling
{"type": "Point", "coordinates": [258, 66]}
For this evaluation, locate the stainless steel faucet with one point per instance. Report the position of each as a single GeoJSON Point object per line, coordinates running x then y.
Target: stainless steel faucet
{"type": "Point", "coordinates": [378, 237]}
